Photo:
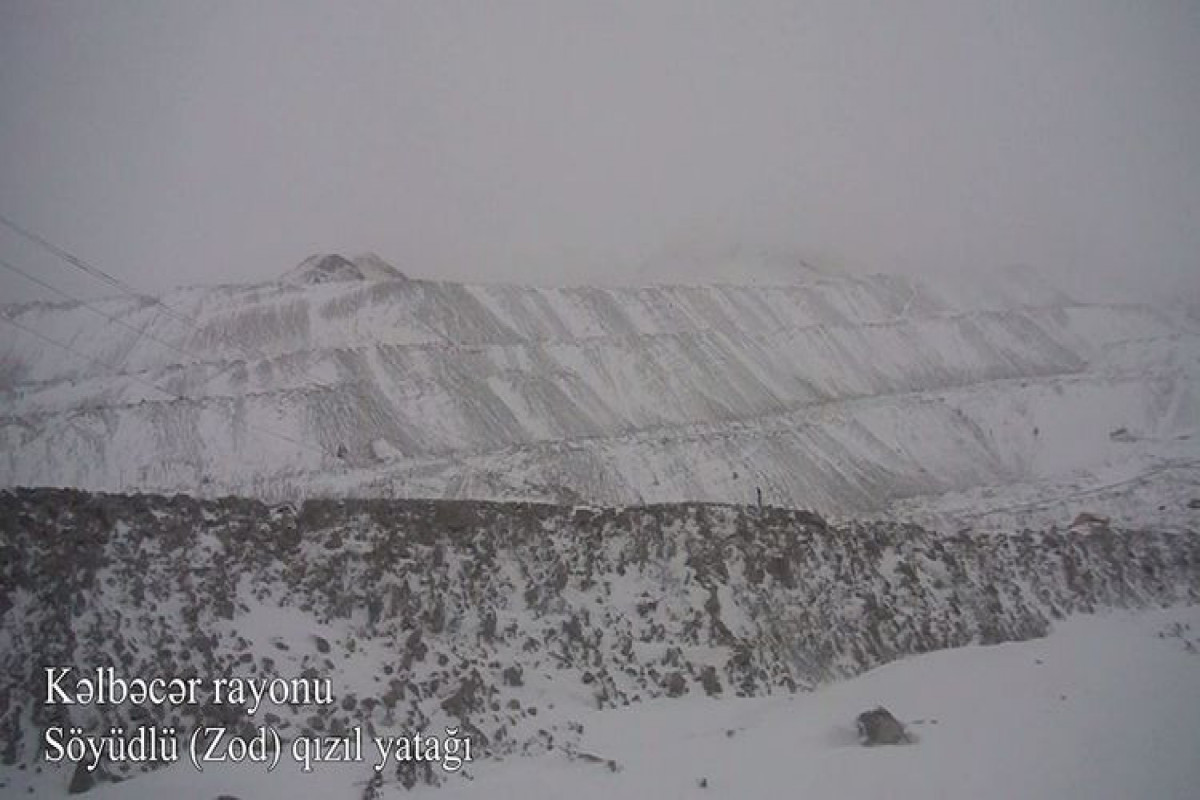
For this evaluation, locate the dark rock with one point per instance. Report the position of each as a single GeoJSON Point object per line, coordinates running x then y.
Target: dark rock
{"type": "Point", "coordinates": [513, 676]}
{"type": "Point", "coordinates": [466, 699]}
{"type": "Point", "coordinates": [1087, 519]}
{"type": "Point", "coordinates": [710, 681]}
{"type": "Point", "coordinates": [878, 726]}
{"type": "Point", "coordinates": [81, 780]}
{"type": "Point", "coordinates": [675, 684]}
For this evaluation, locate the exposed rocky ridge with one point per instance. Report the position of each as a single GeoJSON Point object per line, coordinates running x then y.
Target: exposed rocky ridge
{"type": "Point", "coordinates": [428, 613]}
{"type": "Point", "coordinates": [331, 267]}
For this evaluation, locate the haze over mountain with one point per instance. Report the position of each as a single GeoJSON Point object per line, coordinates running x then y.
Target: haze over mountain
{"type": "Point", "coordinates": [567, 143]}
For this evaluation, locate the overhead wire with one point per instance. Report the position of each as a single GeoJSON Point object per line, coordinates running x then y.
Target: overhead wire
{"type": "Point", "coordinates": [141, 332]}
{"type": "Point", "coordinates": [138, 379]}
{"type": "Point", "coordinates": [125, 288]}
{"type": "Point", "coordinates": [90, 269]}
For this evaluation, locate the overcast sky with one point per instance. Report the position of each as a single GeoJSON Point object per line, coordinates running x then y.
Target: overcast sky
{"type": "Point", "coordinates": [556, 142]}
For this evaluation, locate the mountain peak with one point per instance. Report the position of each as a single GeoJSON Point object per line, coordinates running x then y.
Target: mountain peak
{"type": "Point", "coordinates": [331, 267]}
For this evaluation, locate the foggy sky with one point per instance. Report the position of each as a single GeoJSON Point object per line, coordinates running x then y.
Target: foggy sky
{"type": "Point", "coordinates": [551, 142]}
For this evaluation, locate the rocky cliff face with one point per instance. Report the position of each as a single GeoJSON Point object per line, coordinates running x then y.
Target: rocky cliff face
{"type": "Point", "coordinates": [432, 613]}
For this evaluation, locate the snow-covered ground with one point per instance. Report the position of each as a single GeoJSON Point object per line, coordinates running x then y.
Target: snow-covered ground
{"type": "Point", "coordinates": [1107, 706]}
{"type": "Point", "coordinates": [1102, 708]}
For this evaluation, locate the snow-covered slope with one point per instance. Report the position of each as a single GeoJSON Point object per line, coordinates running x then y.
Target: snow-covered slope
{"type": "Point", "coordinates": [1105, 708]}
{"type": "Point", "coordinates": [854, 395]}
{"type": "Point", "coordinates": [513, 623]}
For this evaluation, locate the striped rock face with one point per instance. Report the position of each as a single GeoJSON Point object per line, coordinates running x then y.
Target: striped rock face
{"type": "Point", "coordinates": [855, 395]}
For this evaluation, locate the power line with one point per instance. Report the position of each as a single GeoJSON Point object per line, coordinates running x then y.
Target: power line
{"type": "Point", "coordinates": [144, 382]}
{"type": "Point", "coordinates": [125, 288]}
{"type": "Point", "coordinates": [111, 318]}
{"type": "Point", "coordinates": [79, 263]}
{"type": "Point", "coordinates": [95, 272]}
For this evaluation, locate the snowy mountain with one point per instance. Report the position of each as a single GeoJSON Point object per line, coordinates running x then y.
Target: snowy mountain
{"type": "Point", "coordinates": [653, 584]}
{"type": "Point", "coordinates": [324, 268]}
{"type": "Point", "coordinates": [996, 406]}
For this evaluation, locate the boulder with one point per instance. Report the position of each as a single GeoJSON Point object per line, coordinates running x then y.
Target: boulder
{"type": "Point", "coordinates": [1087, 520]}
{"type": "Point", "coordinates": [81, 780]}
{"type": "Point", "coordinates": [675, 684]}
{"type": "Point", "coordinates": [878, 726]}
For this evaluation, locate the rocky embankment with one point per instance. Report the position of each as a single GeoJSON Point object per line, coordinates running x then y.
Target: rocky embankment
{"type": "Point", "coordinates": [427, 614]}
